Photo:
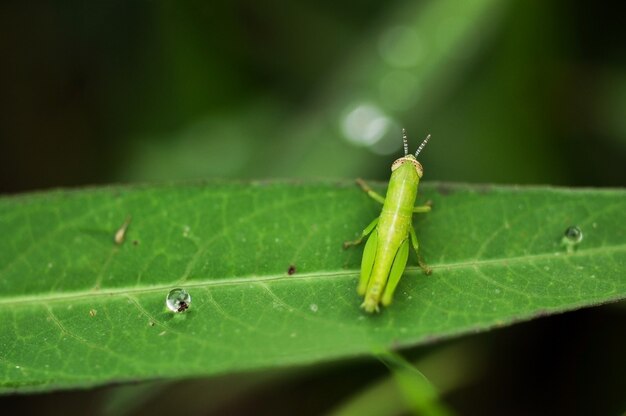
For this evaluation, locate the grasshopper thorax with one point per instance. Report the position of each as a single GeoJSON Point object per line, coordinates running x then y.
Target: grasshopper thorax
{"type": "Point", "coordinates": [408, 159]}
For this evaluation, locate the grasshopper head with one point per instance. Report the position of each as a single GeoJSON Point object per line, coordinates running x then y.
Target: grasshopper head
{"type": "Point", "coordinates": [410, 158]}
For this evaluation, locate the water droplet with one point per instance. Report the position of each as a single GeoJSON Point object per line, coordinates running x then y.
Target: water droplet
{"type": "Point", "coordinates": [572, 237]}
{"type": "Point", "coordinates": [313, 307]}
{"type": "Point", "coordinates": [178, 300]}
{"type": "Point", "coordinates": [574, 234]}
{"type": "Point", "coordinates": [497, 291]}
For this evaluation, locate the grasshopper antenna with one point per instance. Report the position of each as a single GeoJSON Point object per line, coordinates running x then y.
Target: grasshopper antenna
{"type": "Point", "coordinates": [405, 142]}
{"type": "Point", "coordinates": [419, 149]}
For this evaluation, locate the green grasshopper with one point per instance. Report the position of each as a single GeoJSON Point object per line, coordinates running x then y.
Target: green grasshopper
{"type": "Point", "coordinates": [387, 248]}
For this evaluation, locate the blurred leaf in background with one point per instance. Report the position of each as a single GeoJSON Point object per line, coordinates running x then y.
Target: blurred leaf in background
{"type": "Point", "coordinates": [511, 91]}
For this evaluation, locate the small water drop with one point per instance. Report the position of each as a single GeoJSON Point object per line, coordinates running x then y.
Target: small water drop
{"type": "Point", "coordinates": [178, 300]}
{"type": "Point", "coordinates": [313, 307]}
{"type": "Point", "coordinates": [497, 291]}
{"type": "Point", "coordinates": [572, 237]}
{"type": "Point", "coordinates": [574, 234]}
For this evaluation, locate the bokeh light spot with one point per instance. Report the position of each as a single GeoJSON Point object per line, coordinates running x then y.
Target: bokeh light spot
{"type": "Point", "coordinates": [365, 124]}
{"type": "Point", "coordinates": [400, 47]}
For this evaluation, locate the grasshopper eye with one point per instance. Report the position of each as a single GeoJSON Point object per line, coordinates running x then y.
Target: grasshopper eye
{"type": "Point", "coordinates": [396, 164]}
{"type": "Point", "coordinates": [418, 168]}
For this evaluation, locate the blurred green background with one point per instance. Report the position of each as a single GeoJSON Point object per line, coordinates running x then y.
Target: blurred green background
{"type": "Point", "coordinates": [511, 91]}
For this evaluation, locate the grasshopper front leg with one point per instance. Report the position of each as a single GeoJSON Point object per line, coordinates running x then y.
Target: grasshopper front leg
{"type": "Point", "coordinates": [373, 194]}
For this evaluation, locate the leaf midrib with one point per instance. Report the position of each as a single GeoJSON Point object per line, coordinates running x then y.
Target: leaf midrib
{"type": "Point", "coordinates": [124, 291]}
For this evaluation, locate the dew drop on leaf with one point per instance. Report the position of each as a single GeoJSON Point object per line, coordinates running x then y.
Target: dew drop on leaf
{"type": "Point", "coordinates": [572, 237]}
{"type": "Point", "coordinates": [574, 234]}
{"type": "Point", "coordinates": [178, 300]}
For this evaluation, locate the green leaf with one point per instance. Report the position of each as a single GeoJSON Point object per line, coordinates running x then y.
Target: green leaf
{"type": "Point", "coordinates": [77, 309]}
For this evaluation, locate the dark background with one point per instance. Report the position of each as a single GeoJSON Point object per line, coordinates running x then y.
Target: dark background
{"type": "Point", "coordinates": [511, 91]}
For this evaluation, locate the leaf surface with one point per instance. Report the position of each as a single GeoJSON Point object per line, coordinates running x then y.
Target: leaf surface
{"type": "Point", "coordinates": [77, 309]}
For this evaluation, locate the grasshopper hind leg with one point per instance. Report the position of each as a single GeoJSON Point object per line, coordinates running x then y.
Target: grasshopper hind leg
{"type": "Point", "coordinates": [364, 234]}
{"type": "Point", "coordinates": [427, 270]}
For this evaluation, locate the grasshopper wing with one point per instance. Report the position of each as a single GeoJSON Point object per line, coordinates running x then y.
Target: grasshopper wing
{"type": "Point", "coordinates": [369, 255]}
{"type": "Point", "coordinates": [399, 263]}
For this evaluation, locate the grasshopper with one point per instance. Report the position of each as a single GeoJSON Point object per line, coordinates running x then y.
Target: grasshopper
{"type": "Point", "coordinates": [387, 248]}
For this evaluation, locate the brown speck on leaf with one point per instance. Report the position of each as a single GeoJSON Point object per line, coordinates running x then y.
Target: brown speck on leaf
{"type": "Point", "coordinates": [291, 270]}
{"type": "Point", "coordinates": [445, 189]}
{"type": "Point", "coordinates": [484, 189]}
{"type": "Point", "coordinates": [135, 242]}
{"type": "Point", "coordinates": [92, 312]}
